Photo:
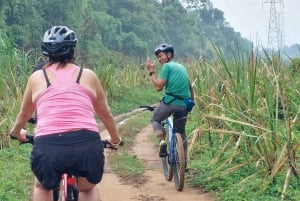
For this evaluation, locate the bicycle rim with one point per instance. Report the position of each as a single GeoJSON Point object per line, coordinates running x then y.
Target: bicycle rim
{"type": "Point", "coordinates": [168, 171]}
{"type": "Point", "coordinates": [179, 166]}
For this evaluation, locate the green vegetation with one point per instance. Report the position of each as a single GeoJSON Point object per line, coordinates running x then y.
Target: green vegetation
{"type": "Point", "coordinates": [127, 165]}
{"type": "Point", "coordinates": [132, 27]}
{"type": "Point", "coordinates": [244, 130]}
{"type": "Point", "coordinates": [16, 179]}
{"type": "Point", "coordinates": [248, 133]}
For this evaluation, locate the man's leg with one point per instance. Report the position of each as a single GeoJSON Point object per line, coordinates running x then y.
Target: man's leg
{"type": "Point", "coordinates": [162, 112]}
{"type": "Point", "coordinates": [180, 119]}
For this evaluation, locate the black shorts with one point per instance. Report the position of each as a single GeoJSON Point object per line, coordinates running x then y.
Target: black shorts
{"type": "Point", "coordinates": [79, 153]}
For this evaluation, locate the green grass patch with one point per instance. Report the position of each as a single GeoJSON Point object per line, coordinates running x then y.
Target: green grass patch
{"type": "Point", "coordinates": [16, 178]}
{"type": "Point", "coordinates": [126, 165]}
{"type": "Point", "coordinates": [132, 98]}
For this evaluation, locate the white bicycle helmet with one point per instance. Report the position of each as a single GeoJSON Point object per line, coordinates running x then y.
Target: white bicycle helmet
{"type": "Point", "coordinates": [58, 41]}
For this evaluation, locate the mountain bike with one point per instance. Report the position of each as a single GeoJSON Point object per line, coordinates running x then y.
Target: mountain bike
{"type": "Point", "coordinates": [174, 162]}
{"type": "Point", "coordinates": [67, 191]}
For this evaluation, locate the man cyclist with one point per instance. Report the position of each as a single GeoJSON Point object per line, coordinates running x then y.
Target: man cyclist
{"type": "Point", "coordinates": [174, 78]}
{"type": "Point", "coordinates": [65, 97]}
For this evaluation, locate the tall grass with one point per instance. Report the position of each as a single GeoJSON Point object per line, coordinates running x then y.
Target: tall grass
{"type": "Point", "coordinates": [248, 109]}
{"type": "Point", "coordinates": [125, 81]}
{"type": "Point", "coordinates": [13, 72]}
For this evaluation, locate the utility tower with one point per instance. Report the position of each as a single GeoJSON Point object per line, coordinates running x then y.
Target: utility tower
{"type": "Point", "coordinates": [276, 25]}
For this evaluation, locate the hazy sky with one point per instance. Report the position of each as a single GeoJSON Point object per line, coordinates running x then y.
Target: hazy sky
{"type": "Point", "coordinates": [251, 18]}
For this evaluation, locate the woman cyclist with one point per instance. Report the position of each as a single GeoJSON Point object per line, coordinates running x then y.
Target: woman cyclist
{"type": "Point", "coordinates": [65, 97]}
{"type": "Point", "coordinates": [174, 78]}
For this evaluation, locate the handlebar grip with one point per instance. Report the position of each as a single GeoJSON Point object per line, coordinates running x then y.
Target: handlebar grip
{"type": "Point", "coordinates": [30, 139]}
{"type": "Point", "coordinates": [32, 120]}
{"type": "Point", "coordinates": [106, 144]}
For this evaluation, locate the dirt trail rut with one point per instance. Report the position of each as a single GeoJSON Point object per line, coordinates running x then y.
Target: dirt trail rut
{"type": "Point", "coordinates": [154, 187]}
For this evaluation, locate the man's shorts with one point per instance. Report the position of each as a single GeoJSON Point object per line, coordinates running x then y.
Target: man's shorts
{"type": "Point", "coordinates": [79, 153]}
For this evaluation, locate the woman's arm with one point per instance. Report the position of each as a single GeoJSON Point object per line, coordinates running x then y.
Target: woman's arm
{"type": "Point", "coordinates": [25, 113]}
{"type": "Point", "coordinates": [102, 110]}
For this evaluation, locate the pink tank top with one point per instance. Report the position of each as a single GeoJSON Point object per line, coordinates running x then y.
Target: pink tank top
{"type": "Point", "coordinates": [64, 105]}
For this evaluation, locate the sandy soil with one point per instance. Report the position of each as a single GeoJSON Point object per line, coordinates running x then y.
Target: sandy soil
{"type": "Point", "coordinates": [153, 187]}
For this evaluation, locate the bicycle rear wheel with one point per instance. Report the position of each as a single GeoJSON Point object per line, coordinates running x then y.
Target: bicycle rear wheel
{"type": "Point", "coordinates": [168, 170]}
{"type": "Point", "coordinates": [179, 166]}
{"type": "Point", "coordinates": [56, 194]}
{"type": "Point", "coordinates": [72, 193]}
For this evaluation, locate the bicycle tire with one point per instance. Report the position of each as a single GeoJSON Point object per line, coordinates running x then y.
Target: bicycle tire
{"type": "Point", "coordinates": [55, 194]}
{"type": "Point", "coordinates": [167, 169]}
{"type": "Point", "coordinates": [72, 194]}
{"type": "Point", "coordinates": [179, 166]}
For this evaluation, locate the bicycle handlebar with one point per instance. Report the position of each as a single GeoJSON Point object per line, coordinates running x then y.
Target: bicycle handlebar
{"type": "Point", "coordinates": [30, 140]}
{"type": "Point", "coordinates": [32, 120]}
{"type": "Point", "coordinates": [148, 107]}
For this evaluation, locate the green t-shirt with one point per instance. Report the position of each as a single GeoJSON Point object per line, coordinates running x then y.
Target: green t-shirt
{"type": "Point", "coordinates": [177, 82]}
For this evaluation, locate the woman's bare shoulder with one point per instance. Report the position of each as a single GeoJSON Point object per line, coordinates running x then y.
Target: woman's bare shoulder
{"type": "Point", "coordinates": [36, 75]}
{"type": "Point", "coordinates": [89, 73]}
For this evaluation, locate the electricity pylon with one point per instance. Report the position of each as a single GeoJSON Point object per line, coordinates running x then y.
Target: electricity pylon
{"type": "Point", "coordinates": [276, 25]}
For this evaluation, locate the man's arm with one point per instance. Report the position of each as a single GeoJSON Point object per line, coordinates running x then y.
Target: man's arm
{"type": "Point", "coordinates": [157, 82]}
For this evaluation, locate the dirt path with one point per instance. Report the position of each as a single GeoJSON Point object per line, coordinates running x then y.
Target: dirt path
{"type": "Point", "coordinates": [154, 186]}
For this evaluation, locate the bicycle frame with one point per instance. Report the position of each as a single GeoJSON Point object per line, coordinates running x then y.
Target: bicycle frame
{"type": "Point", "coordinates": [68, 182]}
{"type": "Point", "coordinates": [169, 122]}
{"type": "Point", "coordinates": [176, 166]}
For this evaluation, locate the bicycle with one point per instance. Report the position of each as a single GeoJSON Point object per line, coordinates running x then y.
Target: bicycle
{"type": "Point", "coordinates": [67, 191]}
{"type": "Point", "coordinates": [174, 162]}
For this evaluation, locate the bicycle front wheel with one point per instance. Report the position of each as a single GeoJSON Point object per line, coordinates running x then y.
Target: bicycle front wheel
{"type": "Point", "coordinates": [168, 170]}
{"type": "Point", "coordinates": [179, 166]}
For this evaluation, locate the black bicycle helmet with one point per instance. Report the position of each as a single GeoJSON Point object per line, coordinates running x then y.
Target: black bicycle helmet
{"type": "Point", "coordinates": [58, 41]}
{"type": "Point", "coordinates": [164, 48]}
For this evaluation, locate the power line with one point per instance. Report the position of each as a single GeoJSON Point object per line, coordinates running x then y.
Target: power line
{"type": "Point", "coordinates": [276, 25]}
